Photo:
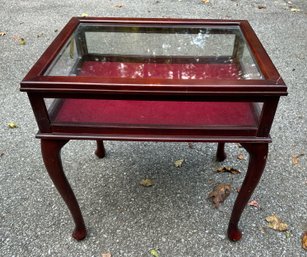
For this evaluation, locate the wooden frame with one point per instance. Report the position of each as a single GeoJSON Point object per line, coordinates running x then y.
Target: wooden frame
{"type": "Point", "coordinates": [55, 135]}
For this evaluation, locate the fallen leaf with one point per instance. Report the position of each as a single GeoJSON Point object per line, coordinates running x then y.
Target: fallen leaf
{"type": "Point", "coordinates": [238, 189]}
{"type": "Point", "coordinates": [296, 159]}
{"type": "Point", "coordinates": [254, 203]}
{"type": "Point", "coordinates": [19, 40]}
{"type": "Point", "coordinates": [12, 125]}
{"type": "Point", "coordinates": [276, 223]}
{"type": "Point", "coordinates": [147, 182]}
{"type": "Point", "coordinates": [294, 9]}
{"type": "Point", "coordinates": [22, 41]}
{"type": "Point", "coordinates": [179, 163]}
{"type": "Point", "coordinates": [106, 255]}
{"type": "Point", "coordinates": [240, 157]}
{"type": "Point", "coordinates": [118, 5]}
{"type": "Point", "coordinates": [84, 14]}
{"type": "Point", "coordinates": [228, 169]}
{"type": "Point", "coordinates": [261, 7]}
{"type": "Point", "coordinates": [154, 252]}
{"type": "Point", "coordinates": [205, 1]}
{"type": "Point", "coordinates": [40, 34]}
{"type": "Point", "coordinates": [304, 240]}
{"type": "Point", "coordinates": [2, 34]}
{"type": "Point", "coordinates": [219, 194]}
{"type": "Point", "coordinates": [190, 145]}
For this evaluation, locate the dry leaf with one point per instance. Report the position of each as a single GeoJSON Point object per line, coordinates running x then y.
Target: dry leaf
{"type": "Point", "coordinates": [147, 182]}
{"type": "Point", "coordinates": [190, 145]}
{"type": "Point", "coordinates": [22, 41]}
{"type": "Point", "coordinates": [179, 163]}
{"type": "Point", "coordinates": [261, 7]}
{"type": "Point", "coordinates": [238, 189]}
{"type": "Point", "coordinates": [106, 255]}
{"type": "Point", "coordinates": [118, 5]}
{"type": "Point", "coordinates": [228, 169]}
{"type": "Point", "coordinates": [205, 1]}
{"type": "Point", "coordinates": [40, 35]}
{"type": "Point", "coordinates": [12, 125]}
{"type": "Point", "coordinates": [154, 252]}
{"type": "Point", "coordinates": [276, 223]}
{"type": "Point", "coordinates": [240, 157]}
{"type": "Point", "coordinates": [254, 203]}
{"type": "Point", "coordinates": [219, 194]}
{"type": "Point", "coordinates": [296, 159]}
{"type": "Point", "coordinates": [19, 40]}
{"type": "Point", "coordinates": [304, 240]}
{"type": "Point", "coordinates": [2, 34]}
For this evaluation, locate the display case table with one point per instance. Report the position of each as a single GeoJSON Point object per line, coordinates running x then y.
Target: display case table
{"type": "Point", "coordinates": [155, 80]}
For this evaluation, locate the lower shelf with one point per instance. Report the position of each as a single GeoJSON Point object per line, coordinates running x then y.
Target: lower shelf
{"type": "Point", "coordinates": [155, 113]}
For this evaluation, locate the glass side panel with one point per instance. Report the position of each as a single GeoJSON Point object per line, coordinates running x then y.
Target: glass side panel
{"type": "Point", "coordinates": [154, 44]}
{"type": "Point", "coordinates": [177, 52]}
{"type": "Point", "coordinates": [65, 62]}
{"type": "Point", "coordinates": [153, 113]}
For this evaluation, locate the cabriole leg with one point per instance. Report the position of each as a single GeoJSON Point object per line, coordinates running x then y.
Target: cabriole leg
{"type": "Point", "coordinates": [257, 158]}
{"type": "Point", "coordinates": [220, 153]}
{"type": "Point", "coordinates": [100, 151]}
{"type": "Point", "coordinates": [51, 151]}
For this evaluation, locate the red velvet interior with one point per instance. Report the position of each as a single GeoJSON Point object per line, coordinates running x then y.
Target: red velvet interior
{"type": "Point", "coordinates": [156, 112]}
{"type": "Point", "coordinates": [160, 70]}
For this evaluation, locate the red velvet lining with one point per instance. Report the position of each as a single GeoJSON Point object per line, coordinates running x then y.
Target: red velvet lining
{"type": "Point", "coordinates": [159, 70]}
{"type": "Point", "coordinates": [156, 112]}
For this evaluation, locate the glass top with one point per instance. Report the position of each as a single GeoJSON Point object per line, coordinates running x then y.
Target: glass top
{"type": "Point", "coordinates": [191, 52]}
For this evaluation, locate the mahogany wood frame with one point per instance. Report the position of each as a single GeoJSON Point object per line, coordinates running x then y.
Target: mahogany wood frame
{"type": "Point", "coordinates": [55, 136]}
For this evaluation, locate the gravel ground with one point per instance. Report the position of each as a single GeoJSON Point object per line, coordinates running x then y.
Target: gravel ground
{"type": "Point", "coordinates": [174, 216]}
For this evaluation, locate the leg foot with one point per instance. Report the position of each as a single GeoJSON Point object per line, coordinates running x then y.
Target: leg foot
{"type": "Point", "coordinates": [257, 159]}
{"type": "Point", "coordinates": [79, 233]}
{"type": "Point", "coordinates": [220, 153]}
{"type": "Point", "coordinates": [234, 234]}
{"type": "Point", "coordinates": [100, 151]}
{"type": "Point", "coordinates": [51, 150]}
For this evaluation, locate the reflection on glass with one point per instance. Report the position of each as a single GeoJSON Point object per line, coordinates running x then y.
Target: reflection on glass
{"type": "Point", "coordinates": [195, 53]}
